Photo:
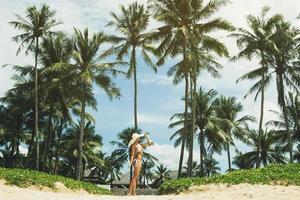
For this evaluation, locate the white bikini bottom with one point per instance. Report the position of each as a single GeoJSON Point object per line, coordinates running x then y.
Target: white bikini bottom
{"type": "Point", "coordinates": [136, 162]}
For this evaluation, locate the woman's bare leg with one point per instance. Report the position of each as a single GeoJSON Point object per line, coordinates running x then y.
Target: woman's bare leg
{"type": "Point", "coordinates": [130, 187]}
{"type": "Point", "coordinates": [137, 170]}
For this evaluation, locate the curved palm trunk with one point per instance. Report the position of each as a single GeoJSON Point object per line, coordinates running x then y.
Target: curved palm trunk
{"type": "Point", "coordinates": [135, 89]}
{"type": "Point", "coordinates": [36, 107]}
{"type": "Point", "coordinates": [80, 142]}
{"type": "Point", "coordinates": [281, 98]}
{"type": "Point", "coordinates": [260, 128]}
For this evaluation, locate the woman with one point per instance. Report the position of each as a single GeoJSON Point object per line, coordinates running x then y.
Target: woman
{"type": "Point", "coordinates": [136, 153]}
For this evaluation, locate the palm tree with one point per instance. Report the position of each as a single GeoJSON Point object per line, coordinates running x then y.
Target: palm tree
{"type": "Point", "coordinates": [255, 43]}
{"type": "Point", "coordinates": [283, 64]}
{"type": "Point", "coordinates": [297, 154]}
{"type": "Point", "coordinates": [179, 136]}
{"type": "Point", "coordinates": [228, 109]}
{"type": "Point", "coordinates": [132, 24]}
{"type": "Point", "coordinates": [146, 174]}
{"type": "Point", "coordinates": [268, 152]}
{"type": "Point", "coordinates": [185, 22]}
{"type": "Point", "coordinates": [37, 24]}
{"type": "Point", "coordinates": [92, 143]}
{"type": "Point", "coordinates": [87, 70]}
{"type": "Point", "coordinates": [208, 124]}
{"type": "Point", "coordinates": [280, 125]}
{"type": "Point", "coordinates": [13, 118]}
{"type": "Point", "coordinates": [195, 169]}
{"type": "Point", "coordinates": [210, 166]}
{"type": "Point", "coordinates": [55, 85]}
{"type": "Point", "coordinates": [162, 173]}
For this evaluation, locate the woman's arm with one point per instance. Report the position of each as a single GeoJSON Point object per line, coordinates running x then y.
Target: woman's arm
{"type": "Point", "coordinates": [149, 142]}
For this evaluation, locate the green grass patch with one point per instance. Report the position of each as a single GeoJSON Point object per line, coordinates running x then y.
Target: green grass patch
{"type": "Point", "coordinates": [288, 174]}
{"type": "Point", "coordinates": [26, 178]}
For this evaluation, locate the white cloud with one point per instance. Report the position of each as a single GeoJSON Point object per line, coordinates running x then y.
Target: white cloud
{"type": "Point", "coordinates": [156, 79]}
{"type": "Point", "coordinates": [152, 119]}
{"type": "Point", "coordinates": [166, 154]}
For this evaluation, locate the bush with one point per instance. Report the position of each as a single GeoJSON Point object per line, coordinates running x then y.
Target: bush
{"type": "Point", "coordinates": [279, 174]}
{"type": "Point", "coordinates": [26, 178]}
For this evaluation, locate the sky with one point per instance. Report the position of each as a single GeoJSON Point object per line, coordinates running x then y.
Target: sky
{"type": "Point", "coordinates": [158, 98]}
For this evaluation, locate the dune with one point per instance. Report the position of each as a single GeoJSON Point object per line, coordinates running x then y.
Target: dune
{"type": "Point", "coordinates": [205, 192]}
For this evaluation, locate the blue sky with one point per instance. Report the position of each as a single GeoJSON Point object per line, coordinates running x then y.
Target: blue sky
{"type": "Point", "coordinates": [158, 97]}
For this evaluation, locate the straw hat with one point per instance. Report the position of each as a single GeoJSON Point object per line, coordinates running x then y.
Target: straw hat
{"type": "Point", "coordinates": [134, 137]}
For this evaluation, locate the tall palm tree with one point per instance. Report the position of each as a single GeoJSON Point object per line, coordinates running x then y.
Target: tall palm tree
{"type": "Point", "coordinates": [55, 86]}
{"type": "Point", "coordinates": [37, 24]}
{"type": "Point", "coordinates": [132, 23]}
{"type": "Point", "coordinates": [228, 109]}
{"type": "Point", "coordinates": [185, 22]}
{"type": "Point", "coordinates": [87, 70]}
{"type": "Point", "coordinates": [255, 43]}
{"type": "Point", "coordinates": [283, 66]}
{"type": "Point", "coordinates": [268, 152]}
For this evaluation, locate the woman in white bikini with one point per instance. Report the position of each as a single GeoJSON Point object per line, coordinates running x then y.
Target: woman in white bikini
{"type": "Point", "coordinates": [136, 152]}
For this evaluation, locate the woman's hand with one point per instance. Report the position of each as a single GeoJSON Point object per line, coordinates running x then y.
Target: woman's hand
{"type": "Point", "coordinates": [150, 143]}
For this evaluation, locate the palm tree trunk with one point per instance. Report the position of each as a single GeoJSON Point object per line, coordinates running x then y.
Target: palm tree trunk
{"type": "Point", "coordinates": [57, 148]}
{"type": "Point", "coordinates": [285, 114]}
{"type": "Point", "coordinates": [82, 171]}
{"type": "Point", "coordinates": [192, 92]}
{"type": "Point", "coordinates": [30, 148]}
{"type": "Point", "coordinates": [135, 89]}
{"type": "Point", "coordinates": [260, 128]}
{"type": "Point", "coordinates": [80, 142]}
{"type": "Point", "coordinates": [228, 157]}
{"type": "Point", "coordinates": [186, 96]}
{"type": "Point", "coordinates": [48, 138]}
{"type": "Point", "coordinates": [181, 157]}
{"type": "Point", "coordinates": [201, 149]}
{"type": "Point", "coordinates": [36, 107]}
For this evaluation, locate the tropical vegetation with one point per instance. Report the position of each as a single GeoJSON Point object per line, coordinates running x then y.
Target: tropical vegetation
{"type": "Point", "coordinates": [46, 120]}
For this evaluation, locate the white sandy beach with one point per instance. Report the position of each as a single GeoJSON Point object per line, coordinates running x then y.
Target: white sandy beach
{"type": "Point", "coordinates": [210, 192]}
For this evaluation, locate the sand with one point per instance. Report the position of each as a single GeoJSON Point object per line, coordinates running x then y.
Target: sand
{"type": "Point", "coordinates": [209, 192]}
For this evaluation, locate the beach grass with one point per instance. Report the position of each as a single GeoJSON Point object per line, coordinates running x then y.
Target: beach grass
{"type": "Point", "coordinates": [276, 174]}
{"type": "Point", "coordinates": [26, 178]}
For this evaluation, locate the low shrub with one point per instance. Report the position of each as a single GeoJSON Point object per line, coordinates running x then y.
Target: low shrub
{"type": "Point", "coordinates": [277, 174]}
{"type": "Point", "coordinates": [26, 178]}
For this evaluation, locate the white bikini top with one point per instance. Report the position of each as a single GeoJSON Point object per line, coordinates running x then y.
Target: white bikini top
{"type": "Point", "coordinates": [139, 148]}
